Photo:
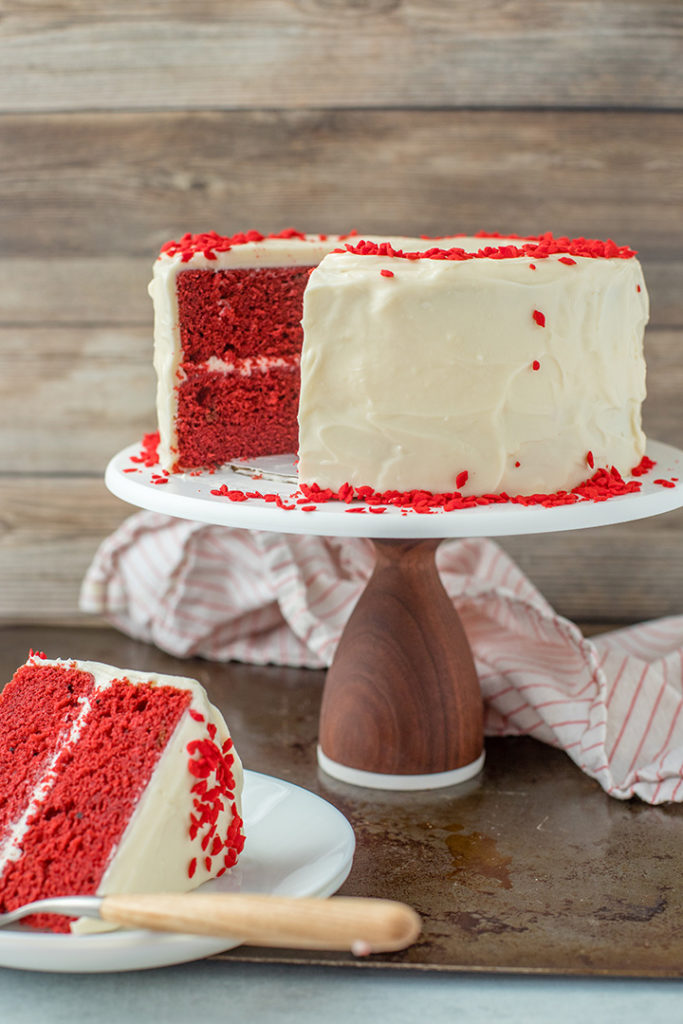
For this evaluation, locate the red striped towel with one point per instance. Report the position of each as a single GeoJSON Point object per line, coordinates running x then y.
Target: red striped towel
{"type": "Point", "coordinates": [613, 703]}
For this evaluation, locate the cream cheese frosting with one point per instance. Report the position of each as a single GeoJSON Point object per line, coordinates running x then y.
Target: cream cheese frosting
{"type": "Point", "coordinates": [522, 374]}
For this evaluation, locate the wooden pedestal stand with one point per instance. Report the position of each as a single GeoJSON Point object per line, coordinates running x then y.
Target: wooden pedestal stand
{"type": "Point", "coordinates": [402, 706]}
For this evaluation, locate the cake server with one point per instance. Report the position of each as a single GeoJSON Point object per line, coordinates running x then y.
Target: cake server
{"type": "Point", "coordinates": [357, 924]}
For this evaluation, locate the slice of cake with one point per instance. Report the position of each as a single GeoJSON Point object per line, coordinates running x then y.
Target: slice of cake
{"type": "Point", "coordinates": [227, 343]}
{"type": "Point", "coordinates": [111, 781]}
{"type": "Point", "coordinates": [514, 369]}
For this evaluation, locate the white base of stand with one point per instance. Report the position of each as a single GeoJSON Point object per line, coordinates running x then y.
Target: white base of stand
{"type": "Point", "coordinates": [378, 780]}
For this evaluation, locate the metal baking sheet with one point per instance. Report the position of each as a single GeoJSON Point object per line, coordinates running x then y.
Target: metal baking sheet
{"type": "Point", "coordinates": [530, 868]}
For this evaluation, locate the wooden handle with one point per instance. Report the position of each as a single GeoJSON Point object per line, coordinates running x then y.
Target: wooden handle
{"type": "Point", "coordinates": [349, 923]}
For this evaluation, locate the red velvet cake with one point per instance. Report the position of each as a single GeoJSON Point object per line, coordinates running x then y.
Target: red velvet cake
{"type": "Point", "coordinates": [111, 781]}
{"type": "Point", "coordinates": [227, 343]}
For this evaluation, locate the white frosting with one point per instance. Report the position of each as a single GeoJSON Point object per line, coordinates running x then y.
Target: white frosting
{"type": "Point", "coordinates": [155, 850]}
{"type": "Point", "coordinates": [407, 381]}
{"type": "Point", "coordinates": [271, 252]}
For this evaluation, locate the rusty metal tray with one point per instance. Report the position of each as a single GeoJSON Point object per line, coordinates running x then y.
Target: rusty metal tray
{"type": "Point", "coordinates": [530, 868]}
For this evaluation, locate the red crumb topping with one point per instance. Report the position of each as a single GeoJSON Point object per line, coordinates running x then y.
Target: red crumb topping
{"type": "Point", "coordinates": [214, 792]}
{"type": "Point", "coordinates": [539, 317]}
{"type": "Point", "coordinates": [539, 248]}
{"type": "Point", "coordinates": [98, 781]}
{"type": "Point", "coordinates": [643, 467]}
{"type": "Point", "coordinates": [149, 454]}
{"type": "Point", "coordinates": [604, 484]}
{"type": "Point", "coordinates": [210, 242]}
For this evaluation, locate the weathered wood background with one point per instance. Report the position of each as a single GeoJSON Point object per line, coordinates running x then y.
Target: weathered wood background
{"type": "Point", "coordinates": [124, 124]}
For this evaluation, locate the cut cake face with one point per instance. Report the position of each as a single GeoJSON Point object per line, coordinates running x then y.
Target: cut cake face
{"type": "Point", "coordinates": [227, 342]}
{"type": "Point", "coordinates": [112, 781]}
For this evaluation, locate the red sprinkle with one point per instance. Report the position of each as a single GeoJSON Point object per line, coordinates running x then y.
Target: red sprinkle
{"type": "Point", "coordinates": [539, 317]}
{"type": "Point", "coordinates": [539, 247]}
{"type": "Point", "coordinates": [192, 868]}
{"type": "Point", "coordinates": [387, 273]}
{"type": "Point", "coordinates": [148, 456]}
{"type": "Point", "coordinates": [603, 485]}
{"type": "Point", "coordinates": [532, 266]}
{"type": "Point", "coordinates": [567, 260]}
{"type": "Point", "coordinates": [665, 483]}
{"type": "Point", "coordinates": [590, 460]}
{"type": "Point", "coordinates": [535, 365]}
{"type": "Point", "coordinates": [643, 467]}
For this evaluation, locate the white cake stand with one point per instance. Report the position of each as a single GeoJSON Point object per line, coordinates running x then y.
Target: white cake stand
{"type": "Point", "coordinates": [402, 706]}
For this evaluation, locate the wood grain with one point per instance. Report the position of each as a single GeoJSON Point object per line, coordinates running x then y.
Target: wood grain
{"type": "Point", "coordinates": [265, 920]}
{"type": "Point", "coordinates": [74, 398]}
{"type": "Point", "coordinates": [122, 184]}
{"type": "Point", "coordinates": [402, 696]}
{"type": "Point", "coordinates": [113, 291]}
{"type": "Point", "coordinates": [51, 527]}
{"type": "Point", "coordinates": [76, 395]}
{"type": "Point", "coordinates": [79, 54]}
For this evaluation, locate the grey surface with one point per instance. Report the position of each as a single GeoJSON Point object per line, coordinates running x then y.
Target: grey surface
{"type": "Point", "coordinates": [288, 994]}
{"type": "Point", "coordinates": [530, 867]}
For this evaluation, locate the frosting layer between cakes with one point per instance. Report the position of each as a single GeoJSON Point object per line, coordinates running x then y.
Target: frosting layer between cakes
{"type": "Point", "coordinates": [487, 375]}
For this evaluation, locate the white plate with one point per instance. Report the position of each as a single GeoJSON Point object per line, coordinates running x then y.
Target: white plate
{"type": "Point", "coordinates": [189, 497]}
{"type": "Point", "coordinates": [297, 845]}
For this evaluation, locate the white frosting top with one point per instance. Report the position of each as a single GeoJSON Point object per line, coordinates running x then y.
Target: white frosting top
{"type": "Point", "coordinates": [155, 850]}
{"type": "Point", "coordinates": [409, 380]}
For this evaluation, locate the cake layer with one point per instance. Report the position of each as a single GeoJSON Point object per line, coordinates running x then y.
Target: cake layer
{"type": "Point", "coordinates": [138, 788]}
{"type": "Point", "coordinates": [509, 372]}
{"type": "Point", "coordinates": [236, 410]}
{"type": "Point", "coordinates": [240, 313]}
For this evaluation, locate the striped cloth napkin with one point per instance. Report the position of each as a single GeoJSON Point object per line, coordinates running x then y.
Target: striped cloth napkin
{"type": "Point", "coordinates": [613, 703]}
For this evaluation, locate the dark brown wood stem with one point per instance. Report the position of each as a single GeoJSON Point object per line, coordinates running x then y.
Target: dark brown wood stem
{"type": "Point", "coordinates": [402, 695]}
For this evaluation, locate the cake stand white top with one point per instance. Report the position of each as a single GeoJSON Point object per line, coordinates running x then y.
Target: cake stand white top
{"type": "Point", "coordinates": [189, 497]}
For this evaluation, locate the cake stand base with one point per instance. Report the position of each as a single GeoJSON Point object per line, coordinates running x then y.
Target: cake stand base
{"type": "Point", "coordinates": [377, 780]}
{"type": "Point", "coordinates": [402, 706]}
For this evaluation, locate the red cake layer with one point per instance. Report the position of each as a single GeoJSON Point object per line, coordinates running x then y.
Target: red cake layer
{"type": "Point", "coordinates": [99, 781]}
{"type": "Point", "coordinates": [230, 416]}
{"type": "Point", "coordinates": [37, 709]}
{"type": "Point", "coordinates": [239, 313]}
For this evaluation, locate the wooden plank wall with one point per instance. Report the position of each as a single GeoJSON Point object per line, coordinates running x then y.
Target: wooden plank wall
{"type": "Point", "coordinates": [122, 125]}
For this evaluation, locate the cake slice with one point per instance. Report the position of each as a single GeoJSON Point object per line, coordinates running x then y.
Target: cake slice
{"type": "Point", "coordinates": [111, 781]}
